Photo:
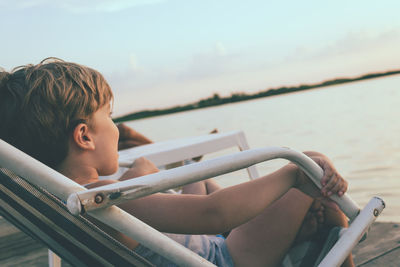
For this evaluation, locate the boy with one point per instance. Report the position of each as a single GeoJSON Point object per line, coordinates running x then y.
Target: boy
{"type": "Point", "coordinates": [60, 113]}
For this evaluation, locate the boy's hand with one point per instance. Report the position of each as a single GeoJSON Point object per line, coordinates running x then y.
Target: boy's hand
{"type": "Point", "coordinates": [332, 182]}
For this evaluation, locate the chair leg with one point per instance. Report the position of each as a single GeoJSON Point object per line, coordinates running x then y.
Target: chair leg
{"type": "Point", "coordinates": [54, 260]}
{"type": "Point", "coordinates": [243, 145]}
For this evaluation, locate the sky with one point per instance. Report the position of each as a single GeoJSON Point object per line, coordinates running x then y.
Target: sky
{"type": "Point", "coordinates": [162, 53]}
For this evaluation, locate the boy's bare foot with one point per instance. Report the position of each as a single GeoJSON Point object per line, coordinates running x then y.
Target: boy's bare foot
{"type": "Point", "coordinates": [334, 216]}
{"type": "Point", "coordinates": [323, 212]}
{"type": "Point", "coordinates": [312, 222]}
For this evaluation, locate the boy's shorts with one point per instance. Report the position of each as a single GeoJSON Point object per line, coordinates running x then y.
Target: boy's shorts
{"type": "Point", "coordinates": [211, 248]}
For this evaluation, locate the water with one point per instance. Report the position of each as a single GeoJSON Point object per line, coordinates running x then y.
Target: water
{"type": "Point", "coordinates": [355, 124]}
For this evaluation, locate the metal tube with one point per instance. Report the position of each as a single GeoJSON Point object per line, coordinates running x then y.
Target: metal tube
{"type": "Point", "coordinates": [148, 236]}
{"type": "Point", "coordinates": [354, 233]}
{"type": "Point", "coordinates": [131, 189]}
{"type": "Point", "coordinates": [36, 172]}
{"type": "Point", "coordinates": [61, 186]}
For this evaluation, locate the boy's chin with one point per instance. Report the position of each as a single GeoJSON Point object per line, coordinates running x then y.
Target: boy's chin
{"type": "Point", "coordinates": [110, 171]}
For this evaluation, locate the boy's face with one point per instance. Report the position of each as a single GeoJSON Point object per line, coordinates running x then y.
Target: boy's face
{"type": "Point", "coordinates": [105, 135]}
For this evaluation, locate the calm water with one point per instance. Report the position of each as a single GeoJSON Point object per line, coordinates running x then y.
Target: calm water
{"type": "Point", "coordinates": [356, 124]}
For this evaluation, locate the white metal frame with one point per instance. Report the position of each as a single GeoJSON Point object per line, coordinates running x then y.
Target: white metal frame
{"type": "Point", "coordinates": [113, 194]}
{"type": "Point", "coordinates": [171, 151]}
{"type": "Point", "coordinates": [41, 175]}
{"type": "Point", "coordinates": [77, 197]}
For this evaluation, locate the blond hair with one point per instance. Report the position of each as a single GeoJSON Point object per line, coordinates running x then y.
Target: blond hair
{"type": "Point", "coordinates": [41, 104]}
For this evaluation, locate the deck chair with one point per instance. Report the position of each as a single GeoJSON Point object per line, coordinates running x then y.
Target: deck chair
{"type": "Point", "coordinates": [46, 218]}
{"type": "Point", "coordinates": [100, 202]}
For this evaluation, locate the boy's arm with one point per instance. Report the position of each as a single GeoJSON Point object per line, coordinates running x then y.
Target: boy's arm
{"type": "Point", "coordinates": [128, 137]}
{"type": "Point", "coordinates": [215, 213]}
{"type": "Point", "coordinates": [227, 208]}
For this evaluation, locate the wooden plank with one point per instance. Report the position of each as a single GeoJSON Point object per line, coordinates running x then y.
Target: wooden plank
{"type": "Point", "coordinates": [13, 242]}
{"type": "Point", "coordinates": [34, 258]}
{"type": "Point", "coordinates": [6, 228]}
{"type": "Point", "coordinates": [389, 259]}
{"type": "Point", "coordinates": [17, 244]}
{"type": "Point", "coordinates": [381, 248]}
{"type": "Point", "coordinates": [383, 237]}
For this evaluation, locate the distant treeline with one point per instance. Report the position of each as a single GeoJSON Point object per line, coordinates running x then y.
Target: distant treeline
{"type": "Point", "coordinates": [216, 100]}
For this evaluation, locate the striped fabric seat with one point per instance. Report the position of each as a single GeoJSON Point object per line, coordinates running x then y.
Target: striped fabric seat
{"type": "Point", "coordinates": [45, 218]}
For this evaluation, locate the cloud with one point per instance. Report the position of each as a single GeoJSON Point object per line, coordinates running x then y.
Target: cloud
{"type": "Point", "coordinates": [78, 6]}
{"type": "Point", "coordinates": [352, 43]}
{"type": "Point", "coordinates": [210, 63]}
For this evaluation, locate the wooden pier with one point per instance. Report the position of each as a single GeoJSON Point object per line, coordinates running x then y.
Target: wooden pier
{"type": "Point", "coordinates": [382, 247]}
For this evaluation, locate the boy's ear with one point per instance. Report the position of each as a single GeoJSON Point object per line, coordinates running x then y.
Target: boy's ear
{"type": "Point", "coordinates": [82, 137]}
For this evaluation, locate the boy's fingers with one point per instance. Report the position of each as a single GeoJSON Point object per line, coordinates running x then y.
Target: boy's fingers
{"type": "Point", "coordinates": [336, 188]}
{"type": "Point", "coordinates": [345, 186]}
{"type": "Point", "coordinates": [330, 184]}
{"type": "Point", "coordinates": [343, 189]}
{"type": "Point", "coordinates": [325, 179]}
{"type": "Point", "coordinates": [328, 173]}
{"type": "Point", "coordinates": [328, 170]}
{"type": "Point", "coordinates": [339, 187]}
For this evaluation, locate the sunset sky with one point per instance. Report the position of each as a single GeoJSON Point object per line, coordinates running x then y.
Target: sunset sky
{"type": "Point", "coordinates": [159, 53]}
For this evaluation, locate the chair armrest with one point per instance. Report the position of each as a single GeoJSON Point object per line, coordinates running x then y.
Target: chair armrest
{"type": "Point", "coordinates": [139, 187]}
{"type": "Point", "coordinates": [171, 151]}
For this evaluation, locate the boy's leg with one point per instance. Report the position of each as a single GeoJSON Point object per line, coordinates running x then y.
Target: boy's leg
{"type": "Point", "coordinates": [264, 240]}
{"type": "Point", "coordinates": [204, 187]}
